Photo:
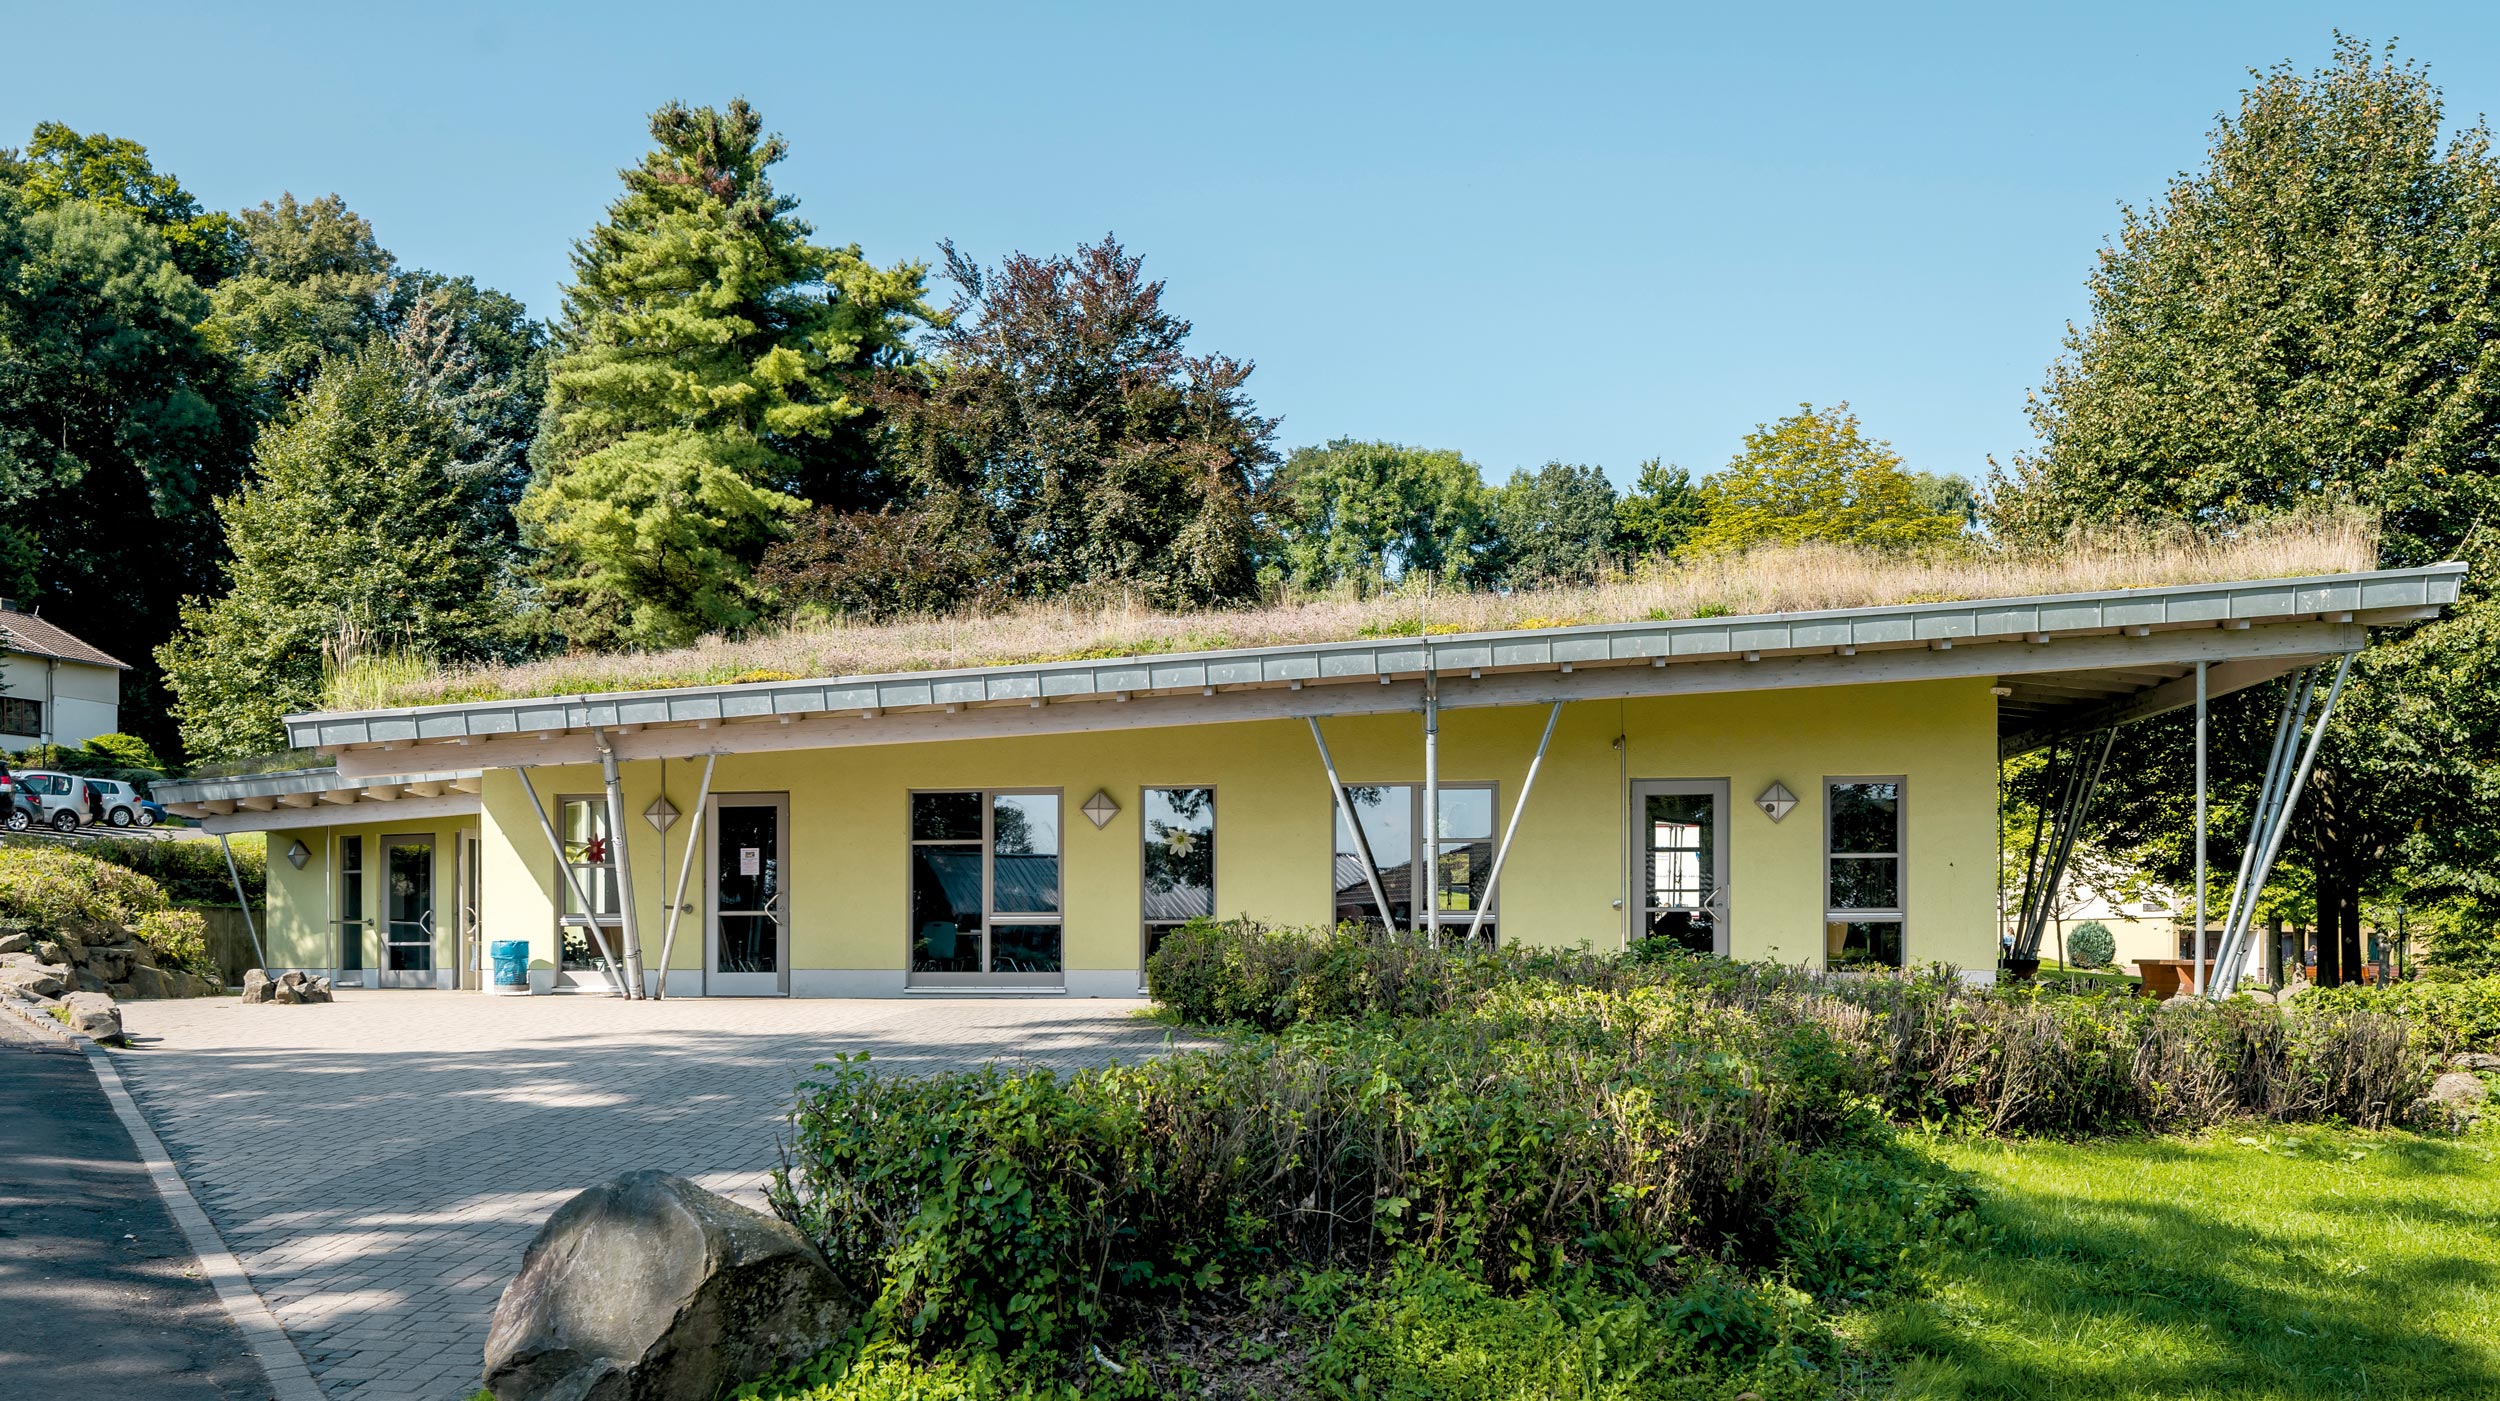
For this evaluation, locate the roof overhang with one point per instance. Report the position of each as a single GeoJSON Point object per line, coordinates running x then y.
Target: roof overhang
{"type": "Point", "coordinates": [319, 798]}
{"type": "Point", "coordinates": [2066, 662]}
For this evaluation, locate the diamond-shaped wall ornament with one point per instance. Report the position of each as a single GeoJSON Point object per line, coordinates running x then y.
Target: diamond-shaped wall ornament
{"type": "Point", "coordinates": [297, 854]}
{"type": "Point", "coordinates": [662, 814]}
{"type": "Point", "coordinates": [1776, 801]}
{"type": "Point", "coordinates": [1100, 808]}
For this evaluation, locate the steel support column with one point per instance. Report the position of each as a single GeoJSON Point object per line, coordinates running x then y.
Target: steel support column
{"type": "Point", "coordinates": [1432, 808]}
{"type": "Point", "coordinates": [619, 862]}
{"type": "Point", "coordinates": [694, 836]}
{"type": "Point", "coordinates": [2200, 828]}
{"type": "Point", "coordinates": [2042, 878]}
{"type": "Point", "coordinates": [2235, 942]}
{"type": "Point", "coordinates": [1354, 824]}
{"type": "Point", "coordinates": [590, 912]}
{"type": "Point", "coordinates": [245, 901]}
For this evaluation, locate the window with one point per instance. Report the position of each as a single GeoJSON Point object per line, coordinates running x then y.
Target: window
{"type": "Point", "coordinates": [19, 716]}
{"type": "Point", "coordinates": [1178, 865]}
{"type": "Point", "coordinates": [1863, 907]}
{"type": "Point", "coordinates": [351, 903]}
{"type": "Point", "coordinates": [582, 823]}
{"type": "Point", "coordinates": [1461, 860]}
{"type": "Point", "coordinates": [985, 885]}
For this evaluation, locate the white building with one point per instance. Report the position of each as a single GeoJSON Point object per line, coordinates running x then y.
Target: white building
{"type": "Point", "coordinates": [54, 687]}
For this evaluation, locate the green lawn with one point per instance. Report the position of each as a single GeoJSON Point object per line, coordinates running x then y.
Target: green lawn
{"type": "Point", "coordinates": [2253, 1263]}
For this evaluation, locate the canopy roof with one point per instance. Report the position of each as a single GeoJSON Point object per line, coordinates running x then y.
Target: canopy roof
{"type": "Point", "coordinates": [2065, 662]}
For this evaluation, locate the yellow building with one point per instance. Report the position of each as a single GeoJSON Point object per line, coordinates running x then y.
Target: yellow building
{"type": "Point", "coordinates": [1814, 787]}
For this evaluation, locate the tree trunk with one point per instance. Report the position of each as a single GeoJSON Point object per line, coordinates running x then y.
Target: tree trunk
{"type": "Point", "coordinates": [2329, 899]}
{"type": "Point", "coordinates": [2348, 928]}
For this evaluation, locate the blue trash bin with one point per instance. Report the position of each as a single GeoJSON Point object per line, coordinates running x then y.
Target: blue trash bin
{"type": "Point", "coordinates": [512, 966]}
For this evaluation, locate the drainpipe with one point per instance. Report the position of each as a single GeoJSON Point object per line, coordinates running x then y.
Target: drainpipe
{"type": "Point", "coordinates": [618, 860]}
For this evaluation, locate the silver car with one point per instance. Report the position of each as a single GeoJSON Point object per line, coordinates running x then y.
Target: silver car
{"type": "Point", "coordinates": [116, 802]}
{"type": "Point", "coordinates": [61, 797]}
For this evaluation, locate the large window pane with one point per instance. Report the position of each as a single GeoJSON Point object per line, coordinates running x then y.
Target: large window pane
{"type": "Point", "coordinates": [946, 909]}
{"type": "Point", "coordinates": [1862, 944]}
{"type": "Point", "coordinates": [1866, 817]}
{"type": "Point", "coordinates": [1178, 828]}
{"type": "Point", "coordinates": [1387, 812]}
{"type": "Point", "coordinates": [1466, 814]}
{"type": "Point", "coordinates": [1025, 837]}
{"type": "Point", "coordinates": [1025, 948]}
{"type": "Point", "coordinates": [946, 817]}
{"type": "Point", "coordinates": [1866, 883]}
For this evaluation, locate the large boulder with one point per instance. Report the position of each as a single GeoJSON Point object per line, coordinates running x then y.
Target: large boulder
{"type": "Point", "coordinates": [649, 1288]}
{"type": "Point", "coordinates": [147, 982]}
{"type": "Point", "coordinates": [93, 1014]}
{"type": "Point", "coordinates": [2459, 1089]}
{"type": "Point", "coordinates": [257, 987]}
{"type": "Point", "coordinates": [317, 990]}
{"type": "Point", "coordinates": [34, 980]}
{"type": "Point", "coordinates": [2474, 1060]}
{"type": "Point", "coordinates": [17, 941]}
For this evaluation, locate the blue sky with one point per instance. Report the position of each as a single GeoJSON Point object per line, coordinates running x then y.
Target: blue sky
{"type": "Point", "coordinates": [1598, 233]}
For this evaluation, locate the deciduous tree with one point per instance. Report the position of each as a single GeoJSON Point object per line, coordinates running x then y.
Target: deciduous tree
{"type": "Point", "coordinates": [311, 284]}
{"type": "Point", "coordinates": [1660, 514]}
{"type": "Point", "coordinates": [1554, 525]}
{"type": "Point", "coordinates": [1814, 476]}
{"type": "Point", "coordinates": [60, 165]}
{"type": "Point", "coordinates": [1360, 512]}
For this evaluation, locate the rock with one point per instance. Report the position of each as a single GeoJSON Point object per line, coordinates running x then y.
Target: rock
{"type": "Point", "coordinates": [293, 980]}
{"type": "Point", "coordinates": [94, 1014]}
{"type": "Point", "coordinates": [149, 982]}
{"type": "Point", "coordinates": [318, 990]}
{"type": "Point", "coordinates": [288, 993]}
{"type": "Point", "coordinates": [17, 941]}
{"type": "Point", "coordinates": [112, 965]}
{"type": "Point", "coordinates": [54, 951]}
{"type": "Point", "coordinates": [119, 992]}
{"type": "Point", "coordinates": [648, 1288]}
{"type": "Point", "coordinates": [33, 982]}
{"type": "Point", "coordinates": [257, 987]}
{"type": "Point", "coordinates": [85, 980]}
{"type": "Point", "coordinates": [2474, 1060]}
{"type": "Point", "coordinates": [2459, 1089]}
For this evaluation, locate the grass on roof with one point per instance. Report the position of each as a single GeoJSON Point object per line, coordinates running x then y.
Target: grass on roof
{"type": "Point", "coordinates": [1774, 580]}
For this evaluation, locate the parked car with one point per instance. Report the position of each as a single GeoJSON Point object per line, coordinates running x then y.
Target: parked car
{"type": "Point", "coordinates": [62, 797]}
{"type": "Point", "coordinates": [109, 800]}
{"type": "Point", "coordinates": [151, 812]}
{"type": "Point", "coordinates": [24, 809]}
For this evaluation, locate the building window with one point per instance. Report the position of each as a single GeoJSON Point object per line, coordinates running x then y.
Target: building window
{"type": "Point", "coordinates": [1461, 859]}
{"type": "Point", "coordinates": [1178, 830]}
{"type": "Point", "coordinates": [351, 904]}
{"type": "Point", "coordinates": [19, 716]}
{"type": "Point", "coordinates": [985, 883]}
{"type": "Point", "coordinates": [1863, 892]}
{"type": "Point", "coordinates": [582, 823]}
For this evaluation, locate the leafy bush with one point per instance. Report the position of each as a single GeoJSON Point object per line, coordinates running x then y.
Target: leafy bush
{"type": "Point", "coordinates": [55, 886]}
{"type": "Point", "coordinates": [179, 939]}
{"type": "Point", "coordinates": [2453, 1016]}
{"type": "Point", "coordinates": [2090, 945]}
{"type": "Point", "coordinates": [192, 872]}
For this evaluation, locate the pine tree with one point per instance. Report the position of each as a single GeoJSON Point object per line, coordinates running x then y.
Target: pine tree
{"type": "Point", "coordinates": [707, 354]}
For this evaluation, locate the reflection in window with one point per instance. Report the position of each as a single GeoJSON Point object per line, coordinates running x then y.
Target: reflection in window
{"type": "Point", "coordinates": [1865, 912]}
{"type": "Point", "coordinates": [582, 826]}
{"type": "Point", "coordinates": [1177, 827]}
{"type": "Point", "coordinates": [1392, 819]}
{"type": "Point", "coordinates": [985, 883]}
{"type": "Point", "coordinates": [1683, 887]}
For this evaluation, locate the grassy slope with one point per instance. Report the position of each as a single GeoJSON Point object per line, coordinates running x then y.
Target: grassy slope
{"type": "Point", "coordinates": [2249, 1264]}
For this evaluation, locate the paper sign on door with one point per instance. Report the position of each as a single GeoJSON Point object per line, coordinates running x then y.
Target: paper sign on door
{"type": "Point", "coordinates": [750, 861]}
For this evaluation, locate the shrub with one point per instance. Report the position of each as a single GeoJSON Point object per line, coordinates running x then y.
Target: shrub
{"type": "Point", "coordinates": [192, 872]}
{"type": "Point", "coordinates": [55, 886]}
{"type": "Point", "coordinates": [2090, 945]}
{"type": "Point", "coordinates": [2453, 1016]}
{"type": "Point", "coordinates": [179, 939]}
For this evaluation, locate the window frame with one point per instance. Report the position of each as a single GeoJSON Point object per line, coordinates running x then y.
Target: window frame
{"type": "Point", "coordinates": [1898, 912]}
{"type": "Point", "coordinates": [1417, 855]}
{"type": "Point", "coordinates": [33, 709]}
{"type": "Point", "coordinates": [595, 875]}
{"type": "Point", "coordinates": [991, 916]}
{"type": "Point", "coordinates": [1146, 927]}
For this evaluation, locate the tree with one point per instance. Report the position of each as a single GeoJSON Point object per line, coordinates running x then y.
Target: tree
{"type": "Point", "coordinates": [118, 424]}
{"type": "Point", "coordinates": [884, 564]}
{"type": "Point", "coordinates": [1363, 512]}
{"type": "Point", "coordinates": [1659, 515]}
{"type": "Point", "coordinates": [1554, 525]}
{"type": "Point", "coordinates": [60, 165]}
{"type": "Point", "coordinates": [310, 285]}
{"type": "Point", "coordinates": [708, 353]}
{"type": "Point", "coordinates": [354, 519]}
{"type": "Point", "coordinates": [2314, 314]}
{"type": "Point", "coordinates": [1065, 420]}
{"type": "Point", "coordinates": [477, 351]}
{"type": "Point", "coordinates": [1814, 476]}
{"type": "Point", "coordinates": [1949, 494]}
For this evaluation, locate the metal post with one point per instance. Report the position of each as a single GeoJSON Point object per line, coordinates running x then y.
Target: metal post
{"type": "Point", "coordinates": [2073, 807]}
{"type": "Point", "coordinates": [1493, 878]}
{"type": "Point", "coordinates": [2200, 829]}
{"type": "Point", "coordinates": [2229, 979]}
{"type": "Point", "coordinates": [245, 901]}
{"type": "Point", "coordinates": [590, 911]}
{"type": "Point", "coordinates": [1432, 807]}
{"type": "Point", "coordinates": [618, 861]}
{"type": "Point", "coordinates": [2294, 713]}
{"type": "Point", "coordinates": [694, 835]}
{"type": "Point", "coordinates": [1354, 824]}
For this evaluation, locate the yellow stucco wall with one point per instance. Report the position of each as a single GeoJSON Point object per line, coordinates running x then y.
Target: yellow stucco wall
{"type": "Point", "coordinates": [303, 904]}
{"type": "Point", "coordinates": [847, 887]}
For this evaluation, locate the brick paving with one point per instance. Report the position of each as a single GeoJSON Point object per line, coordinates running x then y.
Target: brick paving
{"type": "Point", "coordinates": [378, 1163]}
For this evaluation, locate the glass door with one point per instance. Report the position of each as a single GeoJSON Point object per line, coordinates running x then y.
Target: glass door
{"type": "Point", "coordinates": [1682, 869]}
{"type": "Point", "coordinates": [351, 911]}
{"type": "Point", "coordinates": [747, 930]}
{"type": "Point", "coordinates": [408, 911]}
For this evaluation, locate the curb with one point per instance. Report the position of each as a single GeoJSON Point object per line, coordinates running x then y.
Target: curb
{"type": "Point", "coordinates": [280, 1361]}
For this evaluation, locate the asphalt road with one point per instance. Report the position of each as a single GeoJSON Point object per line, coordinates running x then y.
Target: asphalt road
{"type": "Point", "coordinates": [101, 1297]}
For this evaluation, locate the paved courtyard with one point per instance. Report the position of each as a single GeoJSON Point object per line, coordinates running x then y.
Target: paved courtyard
{"type": "Point", "coordinates": [378, 1163]}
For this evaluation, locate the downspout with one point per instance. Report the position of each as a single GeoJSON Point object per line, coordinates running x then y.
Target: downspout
{"type": "Point", "coordinates": [617, 859]}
